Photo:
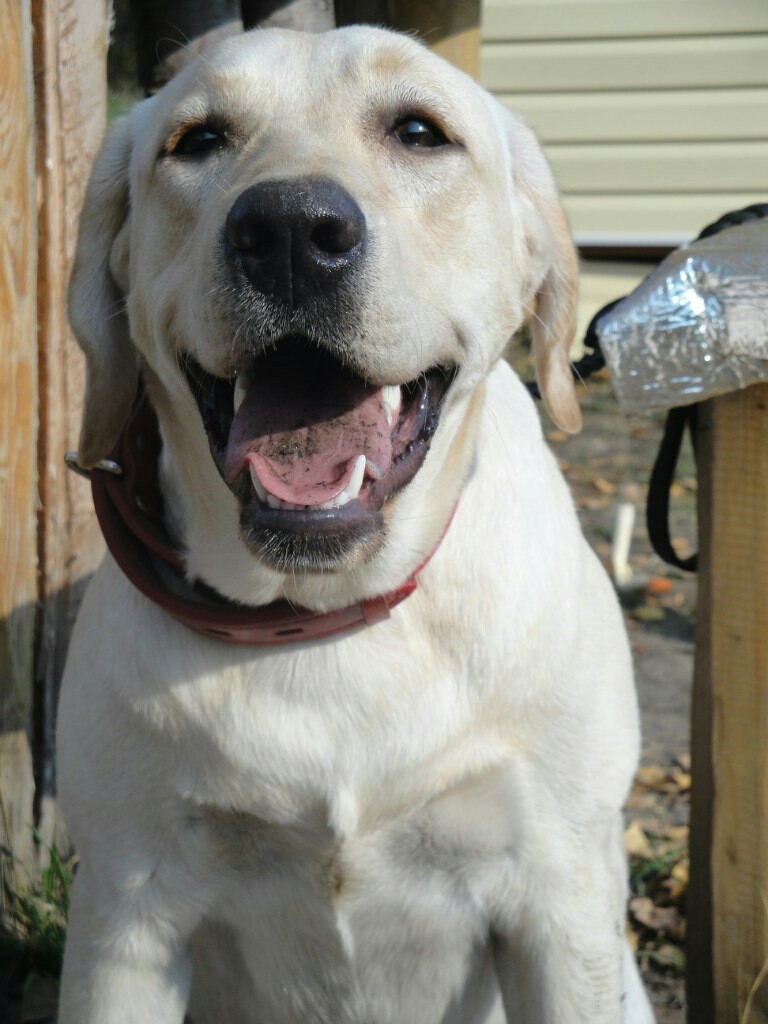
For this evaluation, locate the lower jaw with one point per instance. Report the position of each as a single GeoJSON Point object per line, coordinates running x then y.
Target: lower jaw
{"type": "Point", "coordinates": [320, 546]}
{"type": "Point", "coordinates": [323, 540]}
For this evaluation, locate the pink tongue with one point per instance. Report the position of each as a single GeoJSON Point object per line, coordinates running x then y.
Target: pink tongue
{"type": "Point", "coordinates": [301, 429]}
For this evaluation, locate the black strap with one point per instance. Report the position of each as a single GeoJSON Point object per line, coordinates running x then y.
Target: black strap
{"type": "Point", "coordinates": [593, 359]}
{"type": "Point", "coordinates": [660, 484]}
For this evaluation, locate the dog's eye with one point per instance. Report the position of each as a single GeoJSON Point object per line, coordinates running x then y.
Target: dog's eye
{"type": "Point", "coordinates": [199, 140]}
{"type": "Point", "coordinates": [418, 131]}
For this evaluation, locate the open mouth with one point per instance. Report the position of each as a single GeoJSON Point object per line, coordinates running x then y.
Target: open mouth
{"type": "Point", "coordinates": [311, 449]}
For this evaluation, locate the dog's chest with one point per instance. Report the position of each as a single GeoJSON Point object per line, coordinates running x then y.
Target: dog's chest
{"type": "Point", "coordinates": [340, 829]}
{"type": "Point", "coordinates": [327, 926]}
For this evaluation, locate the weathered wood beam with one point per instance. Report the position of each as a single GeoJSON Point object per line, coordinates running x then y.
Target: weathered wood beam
{"type": "Point", "coordinates": [18, 429]}
{"type": "Point", "coordinates": [164, 29]}
{"type": "Point", "coordinates": [369, 12]}
{"type": "Point", "coordinates": [728, 923]}
{"type": "Point", "coordinates": [301, 15]}
{"type": "Point", "coordinates": [169, 32]}
{"type": "Point", "coordinates": [70, 48]}
{"type": "Point", "coordinates": [450, 27]}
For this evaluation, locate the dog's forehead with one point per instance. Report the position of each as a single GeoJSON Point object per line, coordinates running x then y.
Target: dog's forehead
{"type": "Point", "coordinates": [278, 70]}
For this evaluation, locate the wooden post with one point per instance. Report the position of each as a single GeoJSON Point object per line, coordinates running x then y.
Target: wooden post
{"type": "Point", "coordinates": [70, 98]}
{"type": "Point", "coordinates": [300, 15]}
{"type": "Point", "coordinates": [165, 29]}
{"type": "Point", "coordinates": [18, 428]}
{"type": "Point", "coordinates": [450, 27]}
{"type": "Point", "coordinates": [728, 937]}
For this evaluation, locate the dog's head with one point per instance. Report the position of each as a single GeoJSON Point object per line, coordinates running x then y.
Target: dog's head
{"type": "Point", "coordinates": [316, 247]}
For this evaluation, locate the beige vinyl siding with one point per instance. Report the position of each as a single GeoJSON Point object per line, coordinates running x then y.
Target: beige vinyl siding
{"type": "Point", "coordinates": [654, 114]}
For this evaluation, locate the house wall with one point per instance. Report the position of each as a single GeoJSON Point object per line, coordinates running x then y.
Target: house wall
{"type": "Point", "coordinates": [653, 113]}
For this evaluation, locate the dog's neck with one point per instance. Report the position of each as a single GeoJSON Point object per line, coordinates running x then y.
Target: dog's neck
{"type": "Point", "coordinates": [148, 544]}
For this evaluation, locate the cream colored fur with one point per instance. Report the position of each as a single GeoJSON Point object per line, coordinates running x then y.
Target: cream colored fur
{"type": "Point", "coordinates": [415, 824]}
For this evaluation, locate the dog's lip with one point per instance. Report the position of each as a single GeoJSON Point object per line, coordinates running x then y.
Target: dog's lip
{"type": "Point", "coordinates": [422, 400]}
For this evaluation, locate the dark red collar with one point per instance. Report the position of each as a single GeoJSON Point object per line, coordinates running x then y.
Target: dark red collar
{"type": "Point", "coordinates": [129, 510]}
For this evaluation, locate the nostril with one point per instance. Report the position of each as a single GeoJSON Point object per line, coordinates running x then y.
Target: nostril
{"type": "Point", "coordinates": [334, 236]}
{"type": "Point", "coordinates": [255, 237]}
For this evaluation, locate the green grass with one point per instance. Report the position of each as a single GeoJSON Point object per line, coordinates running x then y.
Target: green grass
{"type": "Point", "coordinates": [645, 873]}
{"type": "Point", "coordinates": [119, 103]}
{"type": "Point", "coordinates": [34, 919]}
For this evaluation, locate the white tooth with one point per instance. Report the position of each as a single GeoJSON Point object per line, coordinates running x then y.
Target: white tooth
{"type": "Point", "coordinates": [390, 396]}
{"type": "Point", "coordinates": [240, 392]}
{"type": "Point", "coordinates": [356, 480]}
{"type": "Point", "coordinates": [273, 502]}
{"type": "Point", "coordinates": [242, 384]}
{"type": "Point", "coordinates": [258, 486]}
{"type": "Point", "coordinates": [341, 499]}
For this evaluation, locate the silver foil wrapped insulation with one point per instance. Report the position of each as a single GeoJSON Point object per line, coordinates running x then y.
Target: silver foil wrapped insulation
{"type": "Point", "coordinates": [697, 326]}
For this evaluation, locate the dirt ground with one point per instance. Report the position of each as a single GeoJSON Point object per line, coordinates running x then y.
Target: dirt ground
{"type": "Point", "coordinates": [606, 465]}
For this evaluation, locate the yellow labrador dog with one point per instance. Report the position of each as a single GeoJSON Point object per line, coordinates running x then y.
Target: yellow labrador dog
{"type": "Point", "coordinates": [313, 250]}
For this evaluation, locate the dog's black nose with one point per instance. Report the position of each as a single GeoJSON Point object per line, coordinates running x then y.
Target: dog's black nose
{"type": "Point", "coordinates": [296, 238]}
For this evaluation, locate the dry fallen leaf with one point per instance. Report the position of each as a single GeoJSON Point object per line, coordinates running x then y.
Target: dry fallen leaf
{"type": "Point", "coordinates": [632, 491]}
{"type": "Point", "coordinates": [652, 776]}
{"type": "Point", "coordinates": [681, 779]}
{"type": "Point", "coordinates": [675, 890]}
{"type": "Point", "coordinates": [659, 919]}
{"type": "Point", "coordinates": [594, 504]}
{"type": "Point", "coordinates": [678, 834]}
{"type": "Point", "coordinates": [636, 841]}
{"type": "Point", "coordinates": [602, 485]}
{"type": "Point", "coordinates": [680, 871]}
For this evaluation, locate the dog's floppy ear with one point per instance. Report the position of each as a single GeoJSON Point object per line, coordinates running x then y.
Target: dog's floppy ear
{"type": "Point", "coordinates": [552, 298]}
{"type": "Point", "coordinates": [96, 300]}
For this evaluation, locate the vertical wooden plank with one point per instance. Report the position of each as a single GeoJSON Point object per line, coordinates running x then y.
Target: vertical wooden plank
{"type": "Point", "coordinates": [300, 15]}
{"type": "Point", "coordinates": [450, 27]}
{"type": "Point", "coordinates": [699, 983]}
{"type": "Point", "coordinates": [165, 29]}
{"type": "Point", "coordinates": [70, 78]}
{"type": "Point", "coordinates": [18, 427]}
{"type": "Point", "coordinates": [736, 635]}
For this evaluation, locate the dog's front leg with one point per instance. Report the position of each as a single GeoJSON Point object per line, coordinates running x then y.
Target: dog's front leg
{"type": "Point", "coordinates": [560, 957]}
{"type": "Point", "coordinates": [126, 960]}
{"type": "Point", "coordinates": [565, 980]}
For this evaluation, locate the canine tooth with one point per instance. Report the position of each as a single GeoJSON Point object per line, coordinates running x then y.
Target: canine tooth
{"type": "Point", "coordinates": [258, 486]}
{"type": "Point", "coordinates": [391, 397]}
{"type": "Point", "coordinates": [242, 383]}
{"type": "Point", "coordinates": [356, 480]}
{"type": "Point", "coordinates": [273, 502]}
